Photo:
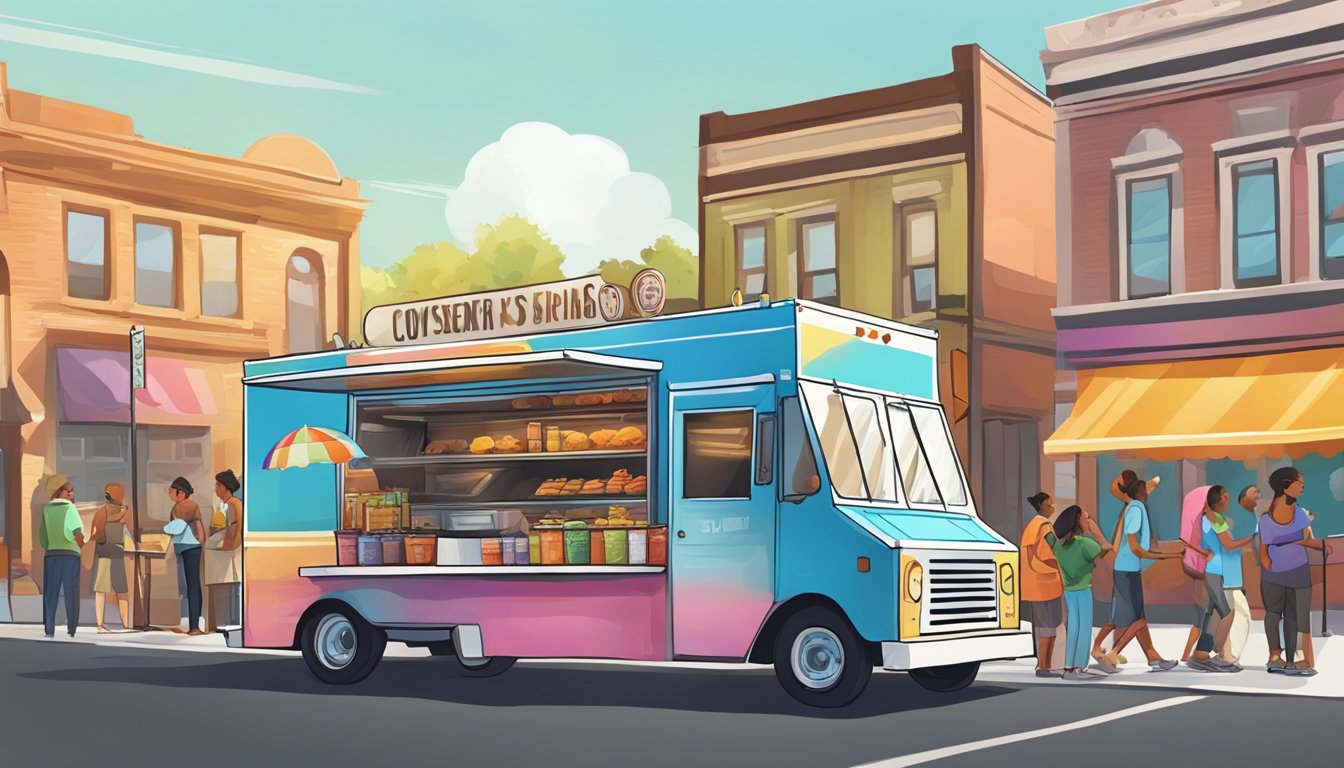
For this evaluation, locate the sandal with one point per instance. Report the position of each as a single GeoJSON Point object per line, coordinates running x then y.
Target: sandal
{"type": "Point", "coordinates": [103, 630]}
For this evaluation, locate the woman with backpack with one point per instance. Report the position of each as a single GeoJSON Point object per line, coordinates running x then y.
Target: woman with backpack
{"type": "Point", "coordinates": [1077, 554]}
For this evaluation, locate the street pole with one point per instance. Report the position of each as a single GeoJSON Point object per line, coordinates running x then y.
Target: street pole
{"type": "Point", "coordinates": [1325, 588]}
{"type": "Point", "coordinates": [137, 382]}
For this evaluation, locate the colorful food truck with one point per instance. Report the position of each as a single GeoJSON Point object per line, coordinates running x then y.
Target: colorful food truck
{"type": "Point", "coordinates": [773, 483]}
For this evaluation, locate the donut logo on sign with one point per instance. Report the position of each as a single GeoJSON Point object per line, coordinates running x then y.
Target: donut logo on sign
{"type": "Point", "coordinates": [611, 302]}
{"type": "Point", "coordinates": [649, 292]}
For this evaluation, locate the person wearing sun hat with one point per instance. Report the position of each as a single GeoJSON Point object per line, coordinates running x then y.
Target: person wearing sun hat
{"type": "Point", "coordinates": [62, 536]}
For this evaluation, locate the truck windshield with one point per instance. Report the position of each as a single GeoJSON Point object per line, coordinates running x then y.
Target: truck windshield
{"type": "Point", "coordinates": [865, 453]}
{"type": "Point", "coordinates": [853, 442]}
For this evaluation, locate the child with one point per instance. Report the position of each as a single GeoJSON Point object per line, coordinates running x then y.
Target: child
{"type": "Point", "coordinates": [1077, 555]}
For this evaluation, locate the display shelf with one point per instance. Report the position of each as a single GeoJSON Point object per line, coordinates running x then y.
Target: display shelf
{"type": "Point", "coordinates": [450, 459]}
{"type": "Point", "coordinates": [546, 501]}
{"type": "Point", "coordinates": [564, 412]}
{"type": "Point", "coordinates": [364, 571]}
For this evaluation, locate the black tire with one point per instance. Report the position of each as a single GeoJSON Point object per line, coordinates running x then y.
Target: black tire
{"type": "Point", "coordinates": [340, 647]}
{"type": "Point", "coordinates": [952, 677]}
{"type": "Point", "coordinates": [833, 664]}
{"type": "Point", "coordinates": [491, 666]}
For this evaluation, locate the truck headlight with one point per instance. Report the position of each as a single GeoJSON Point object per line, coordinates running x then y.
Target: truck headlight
{"type": "Point", "coordinates": [914, 581]}
{"type": "Point", "coordinates": [1006, 578]}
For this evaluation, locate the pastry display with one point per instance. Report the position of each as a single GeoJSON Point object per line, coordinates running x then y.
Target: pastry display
{"type": "Point", "coordinates": [593, 488]}
{"type": "Point", "coordinates": [637, 487]}
{"type": "Point", "coordinates": [529, 403]}
{"type": "Point", "coordinates": [574, 441]}
{"type": "Point", "coordinates": [560, 401]}
{"type": "Point", "coordinates": [436, 447]}
{"type": "Point", "coordinates": [601, 438]}
{"type": "Point", "coordinates": [572, 487]}
{"type": "Point", "coordinates": [616, 485]}
{"type": "Point", "coordinates": [627, 438]}
{"type": "Point", "coordinates": [483, 445]}
{"type": "Point", "coordinates": [510, 444]}
{"type": "Point", "coordinates": [552, 487]}
{"type": "Point", "coordinates": [588, 398]}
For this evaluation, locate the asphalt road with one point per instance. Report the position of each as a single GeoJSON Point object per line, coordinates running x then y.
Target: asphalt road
{"type": "Point", "coordinates": [86, 705]}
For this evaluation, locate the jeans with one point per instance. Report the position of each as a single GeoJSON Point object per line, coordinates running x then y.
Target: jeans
{"type": "Point", "coordinates": [190, 562]}
{"type": "Point", "coordinates": [61, 573]}
{"type": "Point", "coordinates": [1078, 627]}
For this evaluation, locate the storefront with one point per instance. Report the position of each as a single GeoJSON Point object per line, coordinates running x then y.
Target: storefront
{"type": "Point", "coordinates": [1227, 421]}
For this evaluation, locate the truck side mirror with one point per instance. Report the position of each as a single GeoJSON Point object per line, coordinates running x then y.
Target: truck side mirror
{"type": "Point", "coordinates": [765, 448]}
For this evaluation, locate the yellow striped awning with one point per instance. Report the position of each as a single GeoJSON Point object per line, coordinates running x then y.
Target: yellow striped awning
{"type": "Point", "coordinates": [1264, 405]}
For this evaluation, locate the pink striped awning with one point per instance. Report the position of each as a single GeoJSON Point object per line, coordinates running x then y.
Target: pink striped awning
{"type": "Point", "coordinates": [94, 386]}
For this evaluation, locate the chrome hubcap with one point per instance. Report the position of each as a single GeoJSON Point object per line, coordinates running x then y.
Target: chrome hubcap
{"type": "Point", "coordinates": [335, 641]}
{"type": "Point", "coordinates": [818, 658]}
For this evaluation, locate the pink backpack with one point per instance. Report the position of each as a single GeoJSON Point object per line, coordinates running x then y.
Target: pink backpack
{"type": "Point", "coordinates": [1192, 513]}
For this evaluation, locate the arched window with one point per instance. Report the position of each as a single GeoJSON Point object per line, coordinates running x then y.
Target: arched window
{"type": "Point", "coordinates": [303, 299]}
{"type": "Point", "coordinates": [1149, 216]}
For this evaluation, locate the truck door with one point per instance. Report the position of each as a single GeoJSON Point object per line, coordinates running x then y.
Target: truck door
{"type": "Point", "coordinates": [722, 523]}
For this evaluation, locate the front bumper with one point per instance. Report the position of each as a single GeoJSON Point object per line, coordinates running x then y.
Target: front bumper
{"type": "Point", "coordinates": [938, 652]}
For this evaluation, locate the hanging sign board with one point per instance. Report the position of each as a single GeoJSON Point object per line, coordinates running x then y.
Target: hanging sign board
{"type": "Point", "coordinates": [137, 358]}
{"type": "Point", "coordinates": [563, 305]}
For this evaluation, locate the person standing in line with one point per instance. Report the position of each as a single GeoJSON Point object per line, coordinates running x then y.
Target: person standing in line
{"type": "Point", "coordinates": [1125, 479]}
{"type": "Point", "coordinates": [1285, 582]}
{"type": "Point", "coordinates": [110, 537]}
{"type": "Point", "coordinates": [1127, 608]}
{"type": "Point", "coordinates": [1195, 562]}
{"type": "Point", "coordinates": [1077, 555]}
{"type": "Point", "coordinates": [223, 554]}
{"type": "Point", "coordinates": [188, 531]}
{"type": "Point", "coordinates": [1223, 567]}
{"type": "Point", "coordinates": [1238, 626]}
{"type": "Point", "coordinates": [62, 536]}
{"type": "Point", "coordinates": [1041, 584]}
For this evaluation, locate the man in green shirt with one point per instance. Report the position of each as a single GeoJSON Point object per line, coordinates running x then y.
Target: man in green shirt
{"type": "Point", "coordinates": [62, 536]}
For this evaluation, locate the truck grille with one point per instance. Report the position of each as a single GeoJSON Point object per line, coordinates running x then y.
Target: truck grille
{"type": "Point", "coordinates": [962, 594]}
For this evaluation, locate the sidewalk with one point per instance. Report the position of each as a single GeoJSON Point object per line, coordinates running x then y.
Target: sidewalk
{"type": "Point", "coordinates": [1170, 642]}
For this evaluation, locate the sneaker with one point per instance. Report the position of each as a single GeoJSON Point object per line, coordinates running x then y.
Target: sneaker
{"type": "Point", "coordinates": [1162, 665]}
{"type": "Point", "coordinates": [1224, 665]}
{"type": "Point", "coordinates": [1203, 665]}
{"type": "Point", "coordinates": [1048, 673]}
{"type": "Point", "coordinates": [1299, 671]}
{"type": "Point", "coordinates": [1078, 675]}
{"type": "Point", "coordinates": [50, 635]}
{"type": "Point", "coordinates": [1096, 671]}
{"type": "Point", "coordinates": [1275, 666]}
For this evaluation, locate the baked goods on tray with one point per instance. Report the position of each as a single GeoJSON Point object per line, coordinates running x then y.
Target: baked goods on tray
{"type": "Point", "coordinates": [436, 447]}
{"type": "Point", "coordinates": [482, 445]}
{"type": "Point", "coordinates": [627, 438]}
{"type": "Point", "coordinates": [510, 444]}
{"type": "Point", "coordinates": [638, 486]}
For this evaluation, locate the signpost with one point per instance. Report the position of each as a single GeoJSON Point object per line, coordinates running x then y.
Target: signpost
{"type": "Point", "coordinates": [137, 382]}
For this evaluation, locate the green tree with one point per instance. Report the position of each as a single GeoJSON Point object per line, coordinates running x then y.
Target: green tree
{"type": "Point", "coordinates": [679, 266]}
{"type": "Point", "coordinates": [510, 253]}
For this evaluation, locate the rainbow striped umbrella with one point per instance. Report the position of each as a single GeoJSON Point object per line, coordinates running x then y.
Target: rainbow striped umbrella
{"type": "Point", "coordinates": [312, 445]}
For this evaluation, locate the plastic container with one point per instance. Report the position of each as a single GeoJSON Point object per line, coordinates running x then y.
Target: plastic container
{"type": "Point", "coordinates": [658, 545]}
{"type": "Point", "coordinates": [616, 546]}
{"type": "Point", "coordinates": [506, 553]}
{"type": "Point", "coordinates": [459, 551]}
{"type": "Point", "coordinates": [552, 546]}
{"type": "Point", "coordinates": [491, 552]}
{"type": "Point", "coordinates": [370, 550]}
{"type": "Point", "coordinates": [394, 550]}
{"type": "Point", "coordinates": [534, 549]}
{"type": "Point", "coordinates": [578, 546]}
{"type": "Point", "coordinates": [597, 548]}
{"type": "Point", "coordinates": [638, 546]}
{"type": "Point", "coordinates": [522, 550]}
{"type": "Point", "coordinates": [347, 547]}
{"type": "Point", "coordinates": [420, 550]}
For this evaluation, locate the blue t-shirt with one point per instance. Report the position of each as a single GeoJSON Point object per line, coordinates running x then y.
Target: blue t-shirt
{"type": "Point", "coordinates": [1135, 522]}
{"type": "Point", "coordinates": [1209, 540]}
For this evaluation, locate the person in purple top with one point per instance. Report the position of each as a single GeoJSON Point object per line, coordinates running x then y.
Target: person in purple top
{"type": "Point", "coordinates": [1285, 582]}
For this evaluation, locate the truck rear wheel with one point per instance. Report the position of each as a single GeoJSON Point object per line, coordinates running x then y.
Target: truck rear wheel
{"type": "Point", "coordinates": [952, 677]}
{"type": "Point", "coordinates": [820, 660]}
{"type": "Point", "coordinates": [339, 647]}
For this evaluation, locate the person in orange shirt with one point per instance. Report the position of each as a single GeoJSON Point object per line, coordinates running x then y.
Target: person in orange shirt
{"type": "Point", "coordinates": [1042, 586]}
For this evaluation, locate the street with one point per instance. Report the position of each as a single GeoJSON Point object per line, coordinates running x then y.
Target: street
{"type": "Point", "coordinates": [70, 703]}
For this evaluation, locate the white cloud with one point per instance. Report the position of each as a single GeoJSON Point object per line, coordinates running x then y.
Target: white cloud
{"type": "Point", "coordinates": [205, 65]}
{"type": "Point", "coordinates": [578, 188]}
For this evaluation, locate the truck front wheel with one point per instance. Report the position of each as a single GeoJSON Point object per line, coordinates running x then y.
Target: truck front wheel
{"type": "Point", "coordinates": [820, 660]}
{"type": "Point", "coordinates": [339, 647]}
{"type": "Point", "coordinates": [952, 677]}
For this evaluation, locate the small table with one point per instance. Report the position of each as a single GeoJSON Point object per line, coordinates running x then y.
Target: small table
{"type": "Point", "coordinates": [152, 554]}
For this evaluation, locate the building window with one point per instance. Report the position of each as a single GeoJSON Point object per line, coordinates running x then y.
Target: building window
{"type": "Point", "coordinates": [86, 273]}
{"type": "Point", "coordinates": [1255, 248]}
{"type": "Point", "coordinates": [219, 275]}
{"type": "Point", "coordinates": [303, 298]}
{"type": "Point", "coordinates": [1148, 238]}
{"type": "Point", "coordinates": [918, 242]}
{"type": "Point", "coordinates": [1332, 215]}
{"type": "Point", "coordinates": [816, 260]}
{"type": "Point", "coordinates": [155, 264]}
{"type": "Point", "coordinates": [751, 255]}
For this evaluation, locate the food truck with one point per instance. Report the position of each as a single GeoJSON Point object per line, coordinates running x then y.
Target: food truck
{"type": "Point", "coordinates": [773, 483]}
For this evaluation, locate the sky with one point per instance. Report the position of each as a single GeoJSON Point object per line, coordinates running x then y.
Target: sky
{"type": "Point", "coordinates": [582, 115]}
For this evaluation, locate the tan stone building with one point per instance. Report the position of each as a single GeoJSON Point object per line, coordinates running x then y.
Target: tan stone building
{"type": "Point", "coordinates": [220, 259]}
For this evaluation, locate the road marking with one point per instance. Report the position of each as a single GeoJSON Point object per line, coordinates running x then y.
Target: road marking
{"type": "Point", "coordinates": [975, 746]}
